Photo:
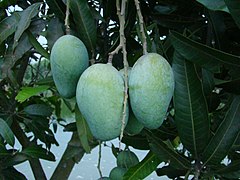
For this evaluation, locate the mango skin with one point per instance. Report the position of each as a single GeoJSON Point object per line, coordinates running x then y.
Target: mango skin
{"type": "Point", "coordinates": [127, 159]}
{"type": "Point", "coordinates": [151, 87]}
{"type": "Point", "coordinates": [117, 173]}
{"type": "Point", "coordinates": [68, 59]}
{"type": "Point", "coordinates": [100, 96]}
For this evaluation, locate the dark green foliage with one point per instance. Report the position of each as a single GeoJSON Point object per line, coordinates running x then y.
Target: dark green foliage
{"type": "Point", "coordinates": [199, 38]}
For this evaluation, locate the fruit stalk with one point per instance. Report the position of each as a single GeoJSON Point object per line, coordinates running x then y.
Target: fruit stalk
{"type": "Point", "coordinates": [121, 17]}
{"type": "Point", "coordinates": [99, 160]}
{"type": "Point", "coordinates": [141, 23]}
{"type": "Point", "coordinates": [67, 19]}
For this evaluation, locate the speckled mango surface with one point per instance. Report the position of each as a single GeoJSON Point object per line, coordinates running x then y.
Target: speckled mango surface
{"type": "Point", "coordinates": [151, 87]}
{"type": "Point", "coordinates": [100, 96]}
{"type": "Point", "coordinates": [69, 58]}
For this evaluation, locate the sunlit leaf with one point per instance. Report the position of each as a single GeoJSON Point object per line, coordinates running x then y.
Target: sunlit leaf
{"type": "Point", "coordinates": [27, 92]}
{"type": "Point", "coordinates": [6, 132]}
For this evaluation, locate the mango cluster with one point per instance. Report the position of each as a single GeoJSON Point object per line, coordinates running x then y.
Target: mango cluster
{"type": "Point", "coordinates": [99, 89]}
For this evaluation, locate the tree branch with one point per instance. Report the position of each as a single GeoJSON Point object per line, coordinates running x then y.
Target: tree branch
{"type": "Point", "coordinates": [141, 23]}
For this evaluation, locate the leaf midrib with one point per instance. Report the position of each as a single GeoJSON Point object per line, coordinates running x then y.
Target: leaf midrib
{"type": "Point", "coordinates": [204, 52]}
{"type": "Point", "coordinates": [223, 135]}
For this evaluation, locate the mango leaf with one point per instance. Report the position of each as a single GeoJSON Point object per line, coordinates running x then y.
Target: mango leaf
{"type": "Point", "coordinates": [38, 152]}
{"type": "Point", "coordinates": [6, 132]}
{"type": "Point", "coordinates": [232, 86]}
{"type": "Point", "coordinates": [84, 132]}
{"type": "Point", "coordinates": [191, 113]}
{"type": "Point", "coordinates": [58, 8]}
{"type": "Point", "coordinates": [54, 31]}
{"type": "Point", "coordinates": [144, 168]}
{"type": "Point", "coordinates": [85, 23]}
{"type": "Point", "coordinates": [171, 172]}
{"type": "Point", "coordinates": [136, 141]}
{"type": "Point", "coordinates": [27, 92]}
{"type": "Point", "coordinates": [202, 55]}
{"type": "Point", "coordinates": [225, 136]}
{"type": "Point", "coordinates": [230, 168]}
{"type": "Point", "coordinates": [12, 173]}
{"type": "Point", "coordinates": [25, 20]}
{"type": "Point", "coordinates": [37, 45]}
{"type": "Point", "coordinates": [39, 110]}
{"type": "Point", "coordinates": [234, 8]}
{"type": "Point", "coordinates": [167, 154]}
{"type": "Point", "coordinates": [216, 5]}
{"type": "Point", "coordinates": [8, 26]}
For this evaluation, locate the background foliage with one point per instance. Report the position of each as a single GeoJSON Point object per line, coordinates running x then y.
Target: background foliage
{"type": "Point", "coordinates": [199, 38]}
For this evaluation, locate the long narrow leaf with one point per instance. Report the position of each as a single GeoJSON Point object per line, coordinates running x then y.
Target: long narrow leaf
{"type": "Point", "coordinates": [234, 8]}
{"type": "Point", "coordinates": [144, 168]}
{"type": "Point", "coordinates": [202, 55]}
{"type": "Point", "coordinates": [225, 135]}
{"type": "Point", "coordinates": [8, 26]}
{"type": "Point", "coordinates": [191, 113]}
{"type": "Point", "coordinates": [58, 7]}
{"type": "Point", "coordinates": [37, 45]}
{"type": "Point", "coordinates": [216, 5]}
{"type": "Point", "coordinates": [84, 132]}
{"type": "Point", "coordinates": [85, 23]}
{"type": "Point", "coordinates": [6, 132]}
{"type": "Point", "coordinates": [25, 20]}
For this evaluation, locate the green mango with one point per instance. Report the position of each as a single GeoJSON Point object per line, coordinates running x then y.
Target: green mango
{"type": "Point", "coordinates": [100, 96]}
{"type": "Point", "coordinates": [104, 178]}
{"type": "Point", "coordinates": [151, 87]}
{"type": "Point", "coordinates": [127, 159]}
{"type": "Point", "coordinates": [117, 173]}
{"type": "Point", "coordinates": [68, 59]}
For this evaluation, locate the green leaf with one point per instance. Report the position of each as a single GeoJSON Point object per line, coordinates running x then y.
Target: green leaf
{"type": "Point", "coordinates": [54, 31]}
{"type": "Point", "coordinates": [202, 55]}
{"type": "Point", "coordinates": [39, 110]}
{"type": "Point", "coordinates": [27, 92]}
{"type": "Point", "coordinates": [6, 132]}
{"type": "Point", "coordinates": [168, 154]}
{"type": "Point", "coordinates": [58, 7]}
{"type": "Point", "coordinates": [225, 136]}
{"type": "Point", "coordinates": [38, 152]}
{"type": "Point", "coordinates": [232, 86]}
{"type": "Point", "coordinates": [208, 81]}
{"type": "Point", "coordinates": [12, 173]}
{"type": "Point", "coordinates": [37, 45]}
{"type": "Point", "coordinates": [234, 8]}
{"type": "Point", "coordinates": [25, 20]}
{"type": "Point", "coordinates": [171, 172]}
{"type": "Point", "coordinates": [84, 132]}
{"type": "Point", "coordinates": [8, 26]}
{"type": "Point", "coordinates": [216, 5]}
{"type": "Point", "coordinates": [190, 107]}
{"type": "Point", "coordinates": [230, 168]}
{"type": "Point", "coordinates": [144, 168]}
{"type": "Point", "coordinates": [136, 141]}
{"type": "Point", "coordinates": [85, 24]}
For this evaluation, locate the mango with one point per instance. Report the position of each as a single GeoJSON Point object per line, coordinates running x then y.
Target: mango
{"type": "Point", "coordinates": [151, 87]}
{"type": "Point", "coordinates": [127, 159]}
{"type": "Point", "coordinates": [117, 173]}
{"type": "Point", "coordinates": [104, 178]}
{"type": "Point", "coordinates": [133, 126]}
{"type": "Point", "coordinates": [68, 59]}
{"type": "Point", "coordinates": [100, 96]}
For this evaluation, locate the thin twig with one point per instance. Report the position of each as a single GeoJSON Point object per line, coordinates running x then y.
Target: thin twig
{"type": "Point", "coordinates": [121, 17]}
{"type": "Point", "coordinates": [111, 54]}
{"type": "Point", "coordinates": [67, 19]}
{"type": "Point", "coordinates": [141, 24]}
{"type": "Point", "coordinates": [99, 160]}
